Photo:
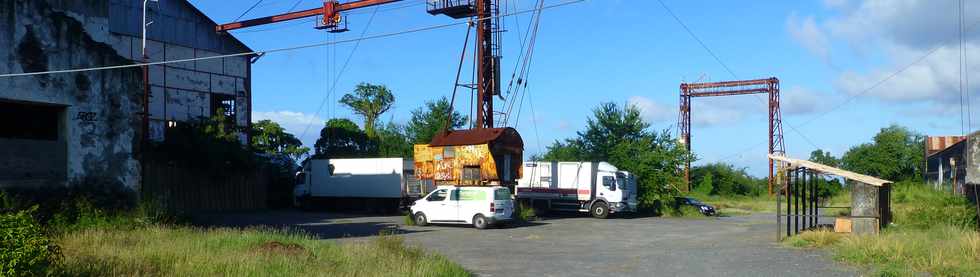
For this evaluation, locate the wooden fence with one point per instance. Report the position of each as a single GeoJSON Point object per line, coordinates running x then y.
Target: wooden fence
{"type": "Point", "coordinates": [184, 190]}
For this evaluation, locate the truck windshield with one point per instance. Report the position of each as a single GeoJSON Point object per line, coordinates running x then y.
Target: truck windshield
{"type": "Point", "coordinates": [621, 180]}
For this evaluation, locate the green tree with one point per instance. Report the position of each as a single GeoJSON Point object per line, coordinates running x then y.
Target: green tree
{"type": "Point", "coordinates": [341, 138]}
{"type": "Point", "coordinates": [570, 150]}
{"type": "Point", "coordinates": [270, 138]}
{"type": "Point", "coordinates": [727, 180]}
{"type": "Point", "coordinates": [894, 154]}
{"type": "Point", "coordinates": [369, 101]}
{"type": "Point", "coordinates": [705, 186]}
{"type": "Point", "coordinates": [824, 157]}
{"type": "Point", "coordinates": [620, 136]}
{"type": "Point", "coordinates": [656, 160]}
{"type": "Point", "coordinates": [427, 121]}
{"type": "Point", "coordinates": [392, 141]}
{"type": "Point", "coordinates": [609, 126]}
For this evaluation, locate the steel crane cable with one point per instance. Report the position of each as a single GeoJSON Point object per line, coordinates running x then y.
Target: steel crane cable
{"type": "Point", "coordinates": [525, 64]}
{"type": "Point", "coordinates": [339, 74]}
{"type": "Point", "coordinates": [459, 70]}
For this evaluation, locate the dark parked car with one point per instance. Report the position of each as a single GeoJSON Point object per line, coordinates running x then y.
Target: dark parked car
{"type": "Point", "coordinates": [705, 209]}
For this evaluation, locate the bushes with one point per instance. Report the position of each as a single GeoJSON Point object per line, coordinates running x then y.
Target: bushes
{"type": "Point", "coordinates": [24, 249]}
{"type": "Point", "coordinates": [918, 206]}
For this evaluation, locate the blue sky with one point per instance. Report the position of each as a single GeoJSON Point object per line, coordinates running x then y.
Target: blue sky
{"type": "Point", "coordinates": [825, 53]}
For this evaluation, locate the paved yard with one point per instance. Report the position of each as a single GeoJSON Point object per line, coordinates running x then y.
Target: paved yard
{"type": "Point", "coordinates": [584, 246]}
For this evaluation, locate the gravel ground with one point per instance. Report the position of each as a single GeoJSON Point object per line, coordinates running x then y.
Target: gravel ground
{"type": "Point", "coordinates": [574, 245]}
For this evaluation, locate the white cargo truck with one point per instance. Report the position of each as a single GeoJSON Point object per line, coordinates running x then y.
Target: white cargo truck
{"type": "Point", "coordinates": [374, 184]}
{"type": "Point", "coordinates": [595, 187]}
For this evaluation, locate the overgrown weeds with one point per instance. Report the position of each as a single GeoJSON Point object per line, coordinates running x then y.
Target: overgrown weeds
{"type": "Point", "coordinates": [191, 251]}
{"type": "Point", "coordinates": [933, 232]}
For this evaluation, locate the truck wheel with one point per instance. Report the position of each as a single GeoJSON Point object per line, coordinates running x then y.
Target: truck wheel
{"type": "Point", "coordinates": [480, 222]}
{"type": "Point", "coordinates": [600, 210]}
{"type": "Point", "coordinates": [420, 219]}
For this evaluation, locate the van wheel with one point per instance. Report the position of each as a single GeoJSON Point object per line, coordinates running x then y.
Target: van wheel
{"type": "Point", "coordinates": [600, 210]}
{"type": "Point", "coordinates": [480, 222]}
{"type": "Point", "coordinates": [420, 219]}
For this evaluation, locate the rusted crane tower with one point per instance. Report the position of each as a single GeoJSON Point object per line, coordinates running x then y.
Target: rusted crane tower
{"type": "Point", "coordinates": [768, 86]}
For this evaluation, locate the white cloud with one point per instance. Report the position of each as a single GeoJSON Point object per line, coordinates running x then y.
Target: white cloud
{"type": "Point", "coordinates": [798, 101]}
{"type": "Point", "coordinates": [653, 111]}
{"type": "Point", "coordinates": [294, 123]}
{"type": "Point", "coordinates": [900, 32]}
{"type": "Point", "coordinates": [806, 32]}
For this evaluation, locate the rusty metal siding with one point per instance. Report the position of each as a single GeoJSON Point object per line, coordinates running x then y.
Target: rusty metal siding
{"type": "Point", "coordinates": [935, 144]}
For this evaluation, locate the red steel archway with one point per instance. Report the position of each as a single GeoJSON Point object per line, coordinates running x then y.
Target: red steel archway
{"type": "Point", "coordinates": [769, 86]}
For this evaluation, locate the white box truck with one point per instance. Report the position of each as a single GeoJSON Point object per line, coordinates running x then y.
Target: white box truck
{"type": "Point", "coordinates": [372, 184]}
{"type": "Point", "coordinates": [595, 187]}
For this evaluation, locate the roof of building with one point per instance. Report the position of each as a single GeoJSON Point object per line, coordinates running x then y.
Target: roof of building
{"type": "Point", "coordinates": [936, 144]}
{"type": "Point", "coordinates": [507, 136]}
{"type": "Point", "coordinates": [870, 180]}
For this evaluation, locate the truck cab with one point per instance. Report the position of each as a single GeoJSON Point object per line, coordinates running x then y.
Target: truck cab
{"type": "Point", "coordinates": [629, 191]}
{"type": "Point", "coordinates": [598, 188]}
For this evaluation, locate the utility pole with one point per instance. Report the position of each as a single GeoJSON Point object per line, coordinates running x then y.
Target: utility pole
{"type": "Point", "coordinates": [146, 100]}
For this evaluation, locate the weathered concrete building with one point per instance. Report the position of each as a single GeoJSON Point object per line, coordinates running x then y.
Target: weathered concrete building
{"type": "Point", "coordinates": [954, 162]}
{"type": "Point", "coordinates": [61, 127]}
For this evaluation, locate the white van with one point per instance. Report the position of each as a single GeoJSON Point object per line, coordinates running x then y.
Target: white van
{"type": "Point", "coordinates": [480, 206]}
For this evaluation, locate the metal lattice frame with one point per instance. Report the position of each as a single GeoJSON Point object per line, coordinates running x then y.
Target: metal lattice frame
{"type": "Point", "coordinates": [768, 86]}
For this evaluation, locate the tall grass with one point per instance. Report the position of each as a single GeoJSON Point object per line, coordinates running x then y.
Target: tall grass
{"type": "Point", "coordinates": [190, 251]}
{"type": "Point", "coordinates": [933, 232]}
{"type": "Point", "coordinates": [942, 251]}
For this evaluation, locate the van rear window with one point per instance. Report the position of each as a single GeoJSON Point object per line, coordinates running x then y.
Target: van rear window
{"type": "Point", "coordinates": [501, 194]}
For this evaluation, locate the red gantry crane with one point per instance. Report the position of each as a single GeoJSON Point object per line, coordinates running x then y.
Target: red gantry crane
{"type": "Point", "coordinates": [728, 88]}
{"type": "Point", "coordinates": [486, 20]}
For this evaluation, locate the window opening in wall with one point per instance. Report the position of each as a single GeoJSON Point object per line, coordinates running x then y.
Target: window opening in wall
{"type": "Point", "coordinates": [26, 121]}
{"type": "Point", "coordinates": [223, 103]}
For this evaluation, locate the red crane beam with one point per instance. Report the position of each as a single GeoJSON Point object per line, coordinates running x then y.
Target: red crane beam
{"type": "Point", "coordinates": [330, 12]}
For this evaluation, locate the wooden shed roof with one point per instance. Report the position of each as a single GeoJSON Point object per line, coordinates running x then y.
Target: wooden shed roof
{"type": "Point", "coordinates": [870, 180]}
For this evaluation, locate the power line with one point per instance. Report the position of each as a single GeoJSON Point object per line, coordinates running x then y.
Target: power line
{"type": "Point", "coordinates": [336, 80]}
{"type": "Point", "coordinates": [722, 63]}
{"type": "Point", "coordinates": [284, 49]}
{"type": "Point", "coordinates": [248, 10]}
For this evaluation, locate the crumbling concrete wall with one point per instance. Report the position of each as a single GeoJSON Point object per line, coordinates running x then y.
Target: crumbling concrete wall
{"type": "Point", "coordinates": [973, 159]}
{"type": "Point", "coordinates": [864, 209]}
{"type": "Point", "coordinates": [101, 107]}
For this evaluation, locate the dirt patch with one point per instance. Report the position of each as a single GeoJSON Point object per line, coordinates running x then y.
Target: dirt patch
{"type": "Point", "coordinates": [279, 248]}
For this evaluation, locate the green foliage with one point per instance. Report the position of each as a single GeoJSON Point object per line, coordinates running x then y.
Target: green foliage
{"type": "Point", "coordinates": [895, 154]}
{"type": "Point", "coordinates": [427, 121]}
{"type": "Point", "coordinates": [620, 136]}
{"type": "Point", "coordinates": [369, 101]}
{"type": "Point", "coordinates": [208, 145]}
{"type": "Point", "coordinates": [824, 157]}
{"type": "Point", "coordinates": [392, 141]}
{"type": "Point", "coordinates": [705, 185]}
{"type": "Point", "coordinates": [524, 212]}
{"type": "Point", "coordinates": [270, 138]}
{"type": "Point", "coordinates": [24, 249]}
{"type": "Point", "coordinates": [341, 138]}
{"type": "Point", "coordinates": [726, 180]}
{"type": "Point", "coordinates": [916, 205]}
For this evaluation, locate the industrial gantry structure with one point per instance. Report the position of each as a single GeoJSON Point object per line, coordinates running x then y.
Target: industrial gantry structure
{"type": "Point", "coordinates": [768, 86]}
{"type": "Point", "coordinates": [485, 16]}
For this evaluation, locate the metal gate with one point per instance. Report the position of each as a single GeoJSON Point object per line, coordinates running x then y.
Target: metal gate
{"type": "Point", "coordinates": [799, 193]}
